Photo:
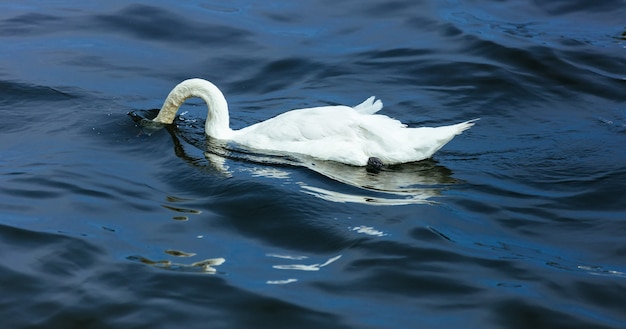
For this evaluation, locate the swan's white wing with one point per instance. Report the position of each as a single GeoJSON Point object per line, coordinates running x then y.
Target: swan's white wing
{"type": "Point", "coordinates": [337, 133]}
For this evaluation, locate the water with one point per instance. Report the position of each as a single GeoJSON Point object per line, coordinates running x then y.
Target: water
{"type": "Point", "coordinates": [517, 223]}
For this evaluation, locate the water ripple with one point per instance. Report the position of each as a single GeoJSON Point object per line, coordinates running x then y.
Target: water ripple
{"type": "Point", "coordinates": [518, 223]}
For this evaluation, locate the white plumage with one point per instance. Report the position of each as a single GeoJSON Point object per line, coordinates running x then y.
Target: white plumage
{"type": "Point", "coordinates": [349, 135]}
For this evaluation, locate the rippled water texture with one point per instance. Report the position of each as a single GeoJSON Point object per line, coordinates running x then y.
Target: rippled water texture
{"type": "Point", "coordinates": [517, 223]}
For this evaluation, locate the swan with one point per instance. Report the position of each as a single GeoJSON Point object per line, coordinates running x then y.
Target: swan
{"type": "Point", "coordinates": [351, 135]}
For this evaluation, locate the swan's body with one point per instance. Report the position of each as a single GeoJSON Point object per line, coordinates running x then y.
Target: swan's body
{"type": "Point", "coordinates": [350, 135]}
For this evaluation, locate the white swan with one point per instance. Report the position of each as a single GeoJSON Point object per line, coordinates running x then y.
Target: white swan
{"type": "Point", "coordinates": [351, 135]}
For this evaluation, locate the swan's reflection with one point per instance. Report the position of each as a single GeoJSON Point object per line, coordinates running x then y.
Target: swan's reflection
{"type": "Point", "coordinates": [410, 183]}
{"type": "Point", "coordinates": [413, 183]}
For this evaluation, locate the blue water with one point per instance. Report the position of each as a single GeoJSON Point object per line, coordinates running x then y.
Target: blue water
{"type": "Point", "coordinates": [517, 223]}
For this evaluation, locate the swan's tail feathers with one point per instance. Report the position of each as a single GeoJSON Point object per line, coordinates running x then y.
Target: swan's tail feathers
{"type": "Point", "coordinates": [370, 106]}
{"type": "Point", "coordinates": [461, 127]}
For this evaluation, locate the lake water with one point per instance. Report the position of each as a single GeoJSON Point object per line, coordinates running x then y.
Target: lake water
{"type": "Point", "coordinates": [517, 223]}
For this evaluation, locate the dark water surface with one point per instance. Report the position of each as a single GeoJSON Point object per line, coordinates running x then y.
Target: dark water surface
{"type": "Point", "coordinates": [518, 223]}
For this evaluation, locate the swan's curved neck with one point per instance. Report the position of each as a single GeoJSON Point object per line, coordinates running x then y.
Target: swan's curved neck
{"type": "Point", "coordinates": [217, 121]}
